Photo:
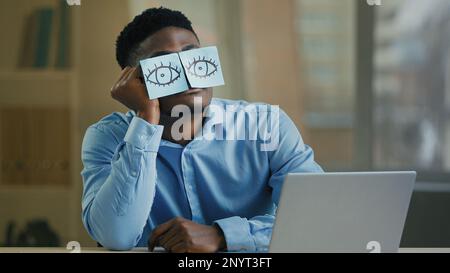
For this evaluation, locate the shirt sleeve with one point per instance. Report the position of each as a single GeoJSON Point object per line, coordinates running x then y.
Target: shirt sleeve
{"type": "Point", "coordinates": [119, 179]}
{"type": "Point", "coordinates": [291, 155]}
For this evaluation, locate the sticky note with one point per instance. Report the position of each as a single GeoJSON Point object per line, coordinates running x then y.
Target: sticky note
{"type": "Point", "coordinates": [202, 67]}
{"type": "Point", "coordinates": [175, 73]}
{"type": "Point", "coordinates": [163, 75]}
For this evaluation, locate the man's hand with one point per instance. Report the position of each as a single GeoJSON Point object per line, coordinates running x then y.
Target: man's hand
{"type": "Point", "coordinates": [130, 91]}
{"type": "Point", "coordinates": [180, 235]}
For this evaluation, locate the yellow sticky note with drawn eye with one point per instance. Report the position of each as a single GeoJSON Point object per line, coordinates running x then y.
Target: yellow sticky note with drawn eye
{"type": "Point", "coordinates": [202, 66]}
{"type": "Point", "coordinates": [163, 75]}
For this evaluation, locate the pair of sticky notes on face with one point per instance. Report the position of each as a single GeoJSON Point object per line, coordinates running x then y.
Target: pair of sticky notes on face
{"type": "Point", "coordinates": [178, 72]}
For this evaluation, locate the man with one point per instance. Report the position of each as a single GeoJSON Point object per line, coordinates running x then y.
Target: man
{"type": "Point", "coordinates": [144, 187]}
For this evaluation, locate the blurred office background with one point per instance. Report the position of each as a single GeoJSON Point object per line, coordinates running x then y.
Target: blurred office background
{"type": "Point", "coordinates": [368, 86]}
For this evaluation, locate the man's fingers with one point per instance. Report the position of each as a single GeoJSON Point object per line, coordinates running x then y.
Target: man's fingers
{"type": "Point", "coordinates": [158, 231]}
{"type": "Point", "coordinates": [179, 247]}
{"type": "Point", "coordinates": [171, 238]}
{"type": "Point", "coordinates": [124, 73]}
{"type": "Point", "coordinates": [133, 74]}
{"type": "Point", "coordinates": [136, 76]}
{"type": "Point", "coordinates": [153, 240]}
{"type": "Point", "coordinates": [173, 241]}
{"type": "Point", "coordinates": [172, 232]}
{"type": "Point", "coordinates": [127, 75]}
{"type": "Point", "coordinates": [137, 72]}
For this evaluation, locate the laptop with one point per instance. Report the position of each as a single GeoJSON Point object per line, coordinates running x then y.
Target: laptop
{"type": "Point", "coordinates": [342, 212]}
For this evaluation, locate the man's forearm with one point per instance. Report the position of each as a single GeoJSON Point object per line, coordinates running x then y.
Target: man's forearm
{"type": "Point", "coordinates": [118, 212]}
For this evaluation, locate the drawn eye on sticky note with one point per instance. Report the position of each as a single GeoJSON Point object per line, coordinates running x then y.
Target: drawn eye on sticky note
{"type": "Point", "coordinates": [175, 73]}
{"type": "Point", "coordinates": [202, 67]}
{"type": "Point", "coordinates": [163, 75]}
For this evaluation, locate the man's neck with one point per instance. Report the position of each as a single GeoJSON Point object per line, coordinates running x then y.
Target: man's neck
{"type": "Point", "coordinates": [187, 132]}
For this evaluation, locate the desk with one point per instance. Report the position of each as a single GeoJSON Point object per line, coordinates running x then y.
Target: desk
{"type": "Point", "coordinates": [144, 250]}
{"type": "Point", "coordinates": [64, 250]}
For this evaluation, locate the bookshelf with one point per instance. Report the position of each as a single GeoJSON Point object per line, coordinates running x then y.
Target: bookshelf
{"type": "Point", "coordinates": [34, 87]}
{"type": "Point", "coordinates": [39, 121]}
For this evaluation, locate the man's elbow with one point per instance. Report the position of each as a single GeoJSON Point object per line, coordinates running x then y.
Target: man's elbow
{"type": "Point", "coordinates": [116, 239]}
{"type": "Point", "coordinates": [113, 236]}
{"type": "Point", "coordinates": [118, 244]}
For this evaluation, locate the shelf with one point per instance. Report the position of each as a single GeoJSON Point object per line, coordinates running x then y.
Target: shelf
{"type": "Point", "coordinates": [30, 73]}
{"type": "Point", "coordinates": [23, 204]}
{"type": "Point", "coordinates": [35, 87]}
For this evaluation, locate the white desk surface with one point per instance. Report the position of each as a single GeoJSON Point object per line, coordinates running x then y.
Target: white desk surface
{"type": "Point", "coordinates": [144, 250]}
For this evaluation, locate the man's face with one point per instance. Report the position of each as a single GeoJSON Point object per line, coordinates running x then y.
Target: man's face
{"type": "Point", "coordinates": [170, 40]}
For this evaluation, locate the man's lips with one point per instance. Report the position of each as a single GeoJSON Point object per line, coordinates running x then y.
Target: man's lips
{"type": "Point", "coordinates": [193, 91]}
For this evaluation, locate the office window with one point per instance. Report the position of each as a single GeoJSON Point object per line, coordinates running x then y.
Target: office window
{"type": "Point", "coordinates": [411, 85]}
{"type": "Point", "coordinates": [326, 44]}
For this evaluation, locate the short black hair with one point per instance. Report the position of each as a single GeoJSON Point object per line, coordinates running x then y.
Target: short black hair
{"type": "Point", "coordinates": [144, 25]}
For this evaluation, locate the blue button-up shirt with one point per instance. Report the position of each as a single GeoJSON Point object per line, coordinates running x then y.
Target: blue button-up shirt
{"type": "Point", "coordinates": [134, 180]}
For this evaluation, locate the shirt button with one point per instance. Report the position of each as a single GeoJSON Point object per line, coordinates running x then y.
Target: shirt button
{"type": "Point", "coordinates": [133, 173]}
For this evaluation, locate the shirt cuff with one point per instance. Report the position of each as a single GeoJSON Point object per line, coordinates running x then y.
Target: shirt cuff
{"type": "Point", "coordinates": [143, 135]}
{"type": "Point", "coordinates": [237, 234]}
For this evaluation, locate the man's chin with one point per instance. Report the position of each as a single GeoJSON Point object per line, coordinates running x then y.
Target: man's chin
{"type": "Point", "coordinates": [188, 98]}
